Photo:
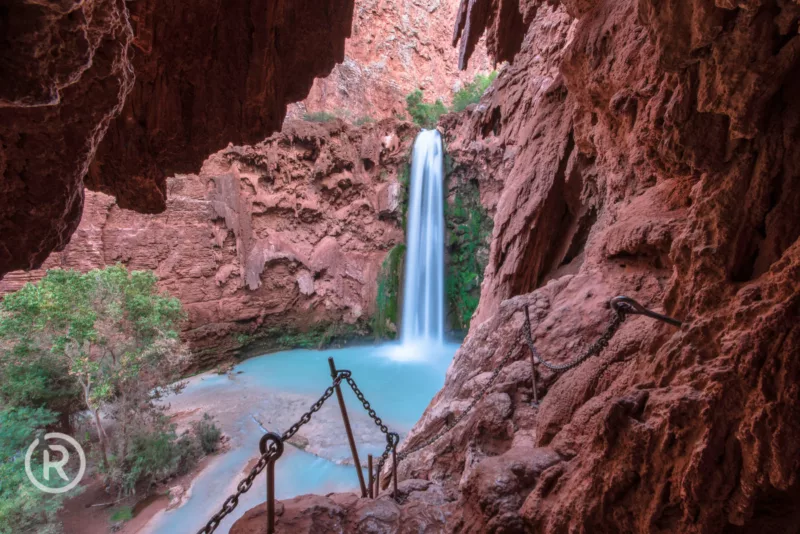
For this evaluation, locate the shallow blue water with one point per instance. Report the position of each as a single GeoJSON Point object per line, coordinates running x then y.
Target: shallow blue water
{"type": "Point", "coordinates": [398, 384]}
{"type": "Point", "coordinates": [398, 381]}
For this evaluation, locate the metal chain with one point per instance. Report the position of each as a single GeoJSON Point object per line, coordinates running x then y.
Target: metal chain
{"type": "Point", "coordinates": [230, 503]}
{"type": "Point", "coordinates": [595, 349]}
{"type": "Point", "coordinates": [392, 438]}
{"type": "Point", "coordinates": [306, 417]}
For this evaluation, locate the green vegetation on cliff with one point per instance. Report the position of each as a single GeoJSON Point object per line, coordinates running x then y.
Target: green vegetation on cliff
{"type": "Point", "coordinates": [319, 116]}
{"type": "Point", "coordinates": [345, 115]}
{"type": "Point", "coordinates": [387, 305]}
{"type": "Point", "coordinates": [278, 338]}
{"type": "Point", "coordinates": [405, 183]}
{"type": "Point", "coordinates": [472, 92]}
{"type": "Point", "coordinates": [469, 228]}
{"type": "Point", "coordinates": [426, 115]}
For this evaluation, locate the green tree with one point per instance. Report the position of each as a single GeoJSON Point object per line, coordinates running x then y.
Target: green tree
{"type": "Point", "coordinates": [109, 331]}
{"type": "Point", "coordinates": [472, 92]}
{"type": "Point", "coordinates": [426, 115]}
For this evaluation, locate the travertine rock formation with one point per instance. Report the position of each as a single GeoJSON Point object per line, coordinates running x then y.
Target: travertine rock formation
{"type": "Point", "coordinates": [170, 82]}
{"type": "Point", "coordinates": [649, 149]}
{"type": "Point", "coordinates": [420, 510]}
{"type": "Point", "coordinates": [269, 240]}
{"type": "Point", "coordinates": [397, 46]}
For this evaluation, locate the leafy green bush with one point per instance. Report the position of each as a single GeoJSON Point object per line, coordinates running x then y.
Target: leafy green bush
{"type": "Point", "coordinates": [207, 433]}
{"type": "Point", "coordinates": [319, 116]}
{"type": "Point", "coordinates": [426, 115]}
{"type": "Point", "coordinates": [124, 513]}
{"type": "Point", "coordinates": [361, 121]}
{"type": "Point", "coordinates": [243, 338]}
{"type": "Point", "coordinates": [23, 507]}
{"type": "Point", "coordinates": [423, 114]}
{"type": "Point", "coordinates": [37, 379]}
{"type": "Point", "coordinates": [152, 456]}
{"type": "Point", "coordinates": [472, 92]}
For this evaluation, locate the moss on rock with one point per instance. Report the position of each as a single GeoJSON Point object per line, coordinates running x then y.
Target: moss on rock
{"type": "Point", "coordinates": [469, 229]}
{"type": "Point", "coordinates": [318, 336]}
{"type": "Point", "coordinates": [387, 305]}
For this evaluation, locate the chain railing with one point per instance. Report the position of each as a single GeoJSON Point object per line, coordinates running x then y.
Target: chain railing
{"type": "Point", "coordinates": [622, 307]}
{"type": "Point", "coordinates": [271, 445]}
{"type": "Point", "coordinates": [392, 439]}
{"type": "Point", "coordinates": [270, 452]}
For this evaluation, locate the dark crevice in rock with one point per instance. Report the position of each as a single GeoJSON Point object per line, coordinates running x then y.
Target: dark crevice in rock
{"type": "Point", "coordinates": [494, 126]}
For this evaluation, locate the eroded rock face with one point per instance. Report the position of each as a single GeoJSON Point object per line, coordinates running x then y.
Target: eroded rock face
{"type": "Point", "coordinates": [66, 72]}
{"type": "Point", "coordinates": [169, 82]}
{"type": "Point", "coordinates": [397, 46]}
{"type": "Point", "coordinates": [422, 507]}
{"type": "Point", "coordinates": [282, 237]}
{"type": "Point", "coordinates": [646, 149]}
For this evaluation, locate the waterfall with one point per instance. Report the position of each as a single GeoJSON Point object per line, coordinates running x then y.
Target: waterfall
{"type": "Point", "coordinates": [423, 292]}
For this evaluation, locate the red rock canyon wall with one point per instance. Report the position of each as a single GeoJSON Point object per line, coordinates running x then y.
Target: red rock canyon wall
{"type": "Point", "coordinates": [648, 150]}
{"type": "Point", "coordinates": [397, 46]}
{"type": "Point", "coordinates": [642, 148]}
{"type": "Point", "coordinates": [132, 92]}
{"type": "Point", "coordinates": [280, 237]}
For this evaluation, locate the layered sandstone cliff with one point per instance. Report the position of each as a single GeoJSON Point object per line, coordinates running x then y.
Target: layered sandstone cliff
{"type": "Point", "coordinates": [637, 148]}
{"type": "Point", "coordinates": [396, 46]}
{"type": "Point", "coordinates": [273, 245]}
{"type": "Point", "coordinates": [651, 152]}
{"type": "Point", "coordinates": [132, 92]}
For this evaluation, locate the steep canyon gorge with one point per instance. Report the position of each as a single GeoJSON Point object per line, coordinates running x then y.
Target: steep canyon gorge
{"type": "Point", "coordinates": [396, 47]}
{"type": "Point", "coordinates": [636, 148]}
{"type": "Point", "coordinates": [310, 213]}
{"type": "Point", "coordinates": [629, 147]}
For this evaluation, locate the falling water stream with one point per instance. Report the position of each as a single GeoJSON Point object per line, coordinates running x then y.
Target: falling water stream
{"type": "Point", "coordinates": [399, 379]}
{"type": "Point", "coordinates": [423, 293]}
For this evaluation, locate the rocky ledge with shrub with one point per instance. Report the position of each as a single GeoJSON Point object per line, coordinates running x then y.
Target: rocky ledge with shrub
{"type": "Point", "coordinates": [270, 246]}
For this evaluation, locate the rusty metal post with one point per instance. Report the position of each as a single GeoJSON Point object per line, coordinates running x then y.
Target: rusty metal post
{"type": "Point", "coordinates": [378, 481]}
{"type": "Point", "coordinates": [394, 471]}
{"type": "Point", "coordinates": [634, 308]}
{"type": "Point", "coordinates": [349, 431]}
{"type": "Point", "coordinates": [533, 359]}
{"type": "Point", "coordinates": [371, 478]}
{"type": "Point", "coordinates": [263, 445]}
{"type": "Point", "coordinates": [271, 497]}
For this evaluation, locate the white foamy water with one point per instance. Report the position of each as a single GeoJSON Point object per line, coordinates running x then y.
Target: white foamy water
{"type": "Point", "coordinates": [423, 293]}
